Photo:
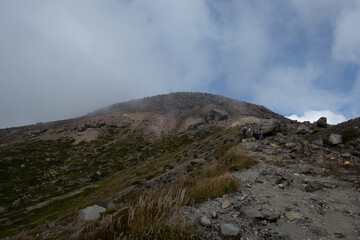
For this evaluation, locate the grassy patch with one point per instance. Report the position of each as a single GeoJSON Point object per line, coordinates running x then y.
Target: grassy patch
{"type": "Point", "coordinates": [233, 159]}
{"type": "Point", "coordinates": [153, 215]}
{"type": "Point", "coordinates": [313, 134]}
{"type": "Point", "coordinates": [202, 188]}
{"type": "Point", "coordinates": [348, 134]}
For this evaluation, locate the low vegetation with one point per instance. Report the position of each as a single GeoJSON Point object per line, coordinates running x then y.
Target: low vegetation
{"type": "Point", "coordinates": [349, 134]}
{"type": "Point", "coordinates": [156, 214]}
{"type": "Point", "coordinates": [43, 173]}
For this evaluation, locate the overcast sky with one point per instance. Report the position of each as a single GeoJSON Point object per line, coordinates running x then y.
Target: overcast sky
{"type": "Point", "coordinates": [61, 59]}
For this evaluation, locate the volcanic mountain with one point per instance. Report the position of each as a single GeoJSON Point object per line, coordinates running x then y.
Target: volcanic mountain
{"type": "Point", "coordinates": [137, 164]}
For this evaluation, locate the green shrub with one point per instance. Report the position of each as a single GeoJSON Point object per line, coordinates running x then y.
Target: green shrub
{"type": "Point", "coordinates": [349, 134]}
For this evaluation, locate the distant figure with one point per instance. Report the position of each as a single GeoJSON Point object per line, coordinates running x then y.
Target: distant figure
{"type": "Point", "coordinates": [244, 132]}
{"type": "Point", "coordinates": [260, 135]}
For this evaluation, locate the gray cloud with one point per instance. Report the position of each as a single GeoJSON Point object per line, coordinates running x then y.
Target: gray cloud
{"type": "Point", "coordinates": [66, 58]}
{"type": "Point", "coordinates": [62, 59]}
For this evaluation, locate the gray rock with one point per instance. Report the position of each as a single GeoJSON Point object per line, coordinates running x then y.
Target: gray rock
{"type": "Point", "coordinates": [213, 215]}
{"type": "Point", "coordinates": [49, 224]}
{"type": "Point", "coordinates": [335, 139]}
{"type": "Point", "coordinates": [339, 235]}
{"type": "Point", "coordinates": [216, 115]}
{"type": "Point", "coordinates": [318, 142]}
{"type": "Point", "coordinates": [322, 122]}
{"type": "Point", "coordinates": [306, 169]}
{"type": "Point", "coordinates": [302, 129]}
{"type": "Point", "coordinates": [291, 215]}
{"type": "Point", "coordinates": [251, 212]}
{"type": "Point", "coordinates": [225, 204]}
{"type": "Point", "coordinates": [229, 230]}
{"type": "Point", "coordinates": [91, 213]}
{"type": "Point", "coordinates": [268, 126]}
{"type": "Point", "coordinates": [346, 155]}
{"type": "Point", "coordinates": [205, 221]}
{"type": "Point", "coordinates": [313, 186]}
{"type": "Point", "coordinates": [273, 217]}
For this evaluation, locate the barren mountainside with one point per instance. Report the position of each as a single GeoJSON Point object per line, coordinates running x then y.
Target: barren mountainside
{"type": "Point", "coordinates": [180, 166]}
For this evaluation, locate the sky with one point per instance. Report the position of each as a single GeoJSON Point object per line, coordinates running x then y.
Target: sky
{"type": "Point", "coordinates": [65, 58]}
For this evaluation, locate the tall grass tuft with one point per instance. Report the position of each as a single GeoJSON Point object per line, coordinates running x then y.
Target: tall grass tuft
{"type": "Point", "coordinates": [234, 159]}
{"type": "Point", "coordinates": [202, 188]}
{"type": "Point", "coordinates": [153, 215]}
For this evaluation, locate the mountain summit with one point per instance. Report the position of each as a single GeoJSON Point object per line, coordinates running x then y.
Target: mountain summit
{"type": "Point", "coordinates": [189, 104]}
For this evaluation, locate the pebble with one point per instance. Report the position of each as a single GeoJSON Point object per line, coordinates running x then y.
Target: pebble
{"type": "Point", "coordinates": [213, 215]}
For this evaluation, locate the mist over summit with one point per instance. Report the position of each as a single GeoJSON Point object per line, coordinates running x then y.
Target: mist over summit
{"type": "Point", "coordinates": [186, 104]}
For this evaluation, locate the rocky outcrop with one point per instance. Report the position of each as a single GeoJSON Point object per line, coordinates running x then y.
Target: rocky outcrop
{"type": "Point", "coordinates": [322, 122]}
{"type": "Point", "coordinates": [216, 115]}
{"type": "Point", "coordinates": [268, 126]}
{"type": "Point", "coordinates": [302, 129]}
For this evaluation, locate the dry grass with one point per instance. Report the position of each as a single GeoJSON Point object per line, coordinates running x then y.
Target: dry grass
{"type": "Point", "coordinates": [153, 215]}
{"type": "Point", "coordinates": [202, 188]}
{"type": "Point", "coordinates": [234, 159]}
{"type": "Point", "coordinates": [157, 213]}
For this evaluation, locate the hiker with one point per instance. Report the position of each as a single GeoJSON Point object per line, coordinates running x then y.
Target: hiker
{"type": "Point", "coordinates": [260, 135]}
{"type": "Point", "coordinates": [244, 132]}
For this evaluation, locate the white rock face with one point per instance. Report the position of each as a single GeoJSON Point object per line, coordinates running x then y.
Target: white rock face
{"type": "Point", "coordinates": [91, 213]}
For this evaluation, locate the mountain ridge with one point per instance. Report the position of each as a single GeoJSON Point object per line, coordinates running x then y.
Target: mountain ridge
{"type": "Point", "coordinates": [170, 103]}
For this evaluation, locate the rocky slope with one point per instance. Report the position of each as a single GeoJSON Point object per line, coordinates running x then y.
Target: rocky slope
{"type": "Point", "coordinates": [285, 196]}
{"type": "Point", "coordinates": [305, 181]}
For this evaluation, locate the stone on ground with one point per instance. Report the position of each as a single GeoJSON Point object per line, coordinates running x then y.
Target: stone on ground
{"type": "Point", "coordinates": [225, 204]}
{"type": "Point", "coordinates": [229, 230]}
{"type": "Point", "coordinates": [205, 221]}
{"type": "Point", "coordinates": [251, 212]}
{"type": "Point", "coordinates": [291, 215]}
{"type": "Point", "coordinates": [91, 213]}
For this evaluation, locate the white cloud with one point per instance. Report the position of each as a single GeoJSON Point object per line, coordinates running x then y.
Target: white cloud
{"type": "Point", "coordinates": [346, 46]}
{"type": "Point", "coordinates": [312, 116]}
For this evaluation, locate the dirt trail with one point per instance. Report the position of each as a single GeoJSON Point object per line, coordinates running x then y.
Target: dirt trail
{"type": "Point", "coordinates": [284, 199]}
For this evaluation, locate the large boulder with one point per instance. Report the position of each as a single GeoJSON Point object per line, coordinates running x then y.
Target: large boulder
{"type": "Point", "coordinates": [322, 122]}
{"type": "Point", "coordinates": [216, 115]}
{"type": "Point", "coordinates": [268, 126]}
{"type": "Point", "coordinates": [335, 138]}
{"type": "Point", "coordinates": [302, 129]}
